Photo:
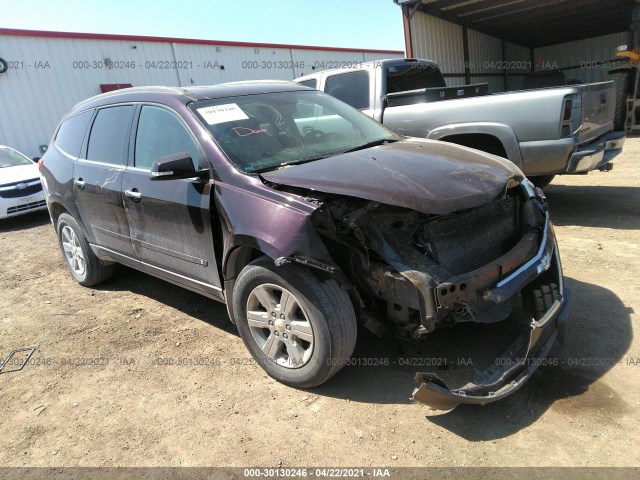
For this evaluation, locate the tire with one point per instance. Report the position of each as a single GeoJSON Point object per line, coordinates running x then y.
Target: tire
{"type": "Point", "coordinates": [542, 180]}
{"type": "Point", "coordinates": [321, 312]}
{"type": "Point", "coordinates": [82, 263]}
{"type": "Point", "coordinates": [544, 297]}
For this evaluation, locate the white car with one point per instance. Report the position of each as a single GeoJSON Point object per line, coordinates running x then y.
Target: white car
{"type": "Point", "coordinates": [20, 185]}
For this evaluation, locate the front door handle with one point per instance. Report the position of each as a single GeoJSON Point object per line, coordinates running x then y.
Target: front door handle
{"type": "Point", "coordinates": [133, 194]}
{"type": "Point", "coordinates": [79, 183]}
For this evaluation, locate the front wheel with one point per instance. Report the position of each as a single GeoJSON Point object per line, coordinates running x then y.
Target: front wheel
{"type": "Point", "coordinates": [82, 263]}
{"type": "Point", "coordinates": [300, 329]}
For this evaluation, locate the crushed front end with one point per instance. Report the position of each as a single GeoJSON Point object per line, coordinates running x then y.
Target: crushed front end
{"type": "Point", "coordinates": [414, 273]}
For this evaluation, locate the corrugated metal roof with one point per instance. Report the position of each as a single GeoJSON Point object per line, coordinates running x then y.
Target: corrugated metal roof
{"type": "Point", "coordinates": [535, 23]}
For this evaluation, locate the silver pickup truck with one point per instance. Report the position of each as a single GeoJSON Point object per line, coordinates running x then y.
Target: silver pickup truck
{"type": "Point", "coordinates": [545, 132]}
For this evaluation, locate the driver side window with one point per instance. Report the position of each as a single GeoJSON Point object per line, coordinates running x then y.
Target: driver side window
{"type": "Point", "coordinates": [160, 133]}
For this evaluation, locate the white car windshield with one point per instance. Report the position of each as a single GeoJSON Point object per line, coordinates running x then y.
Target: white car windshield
{"type": "Point", "coordinates": [11, 158]}
{"type": "Point", "coordinates": [267, 131]}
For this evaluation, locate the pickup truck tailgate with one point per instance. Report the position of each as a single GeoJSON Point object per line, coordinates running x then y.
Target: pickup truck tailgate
{"type": "Point", "coordinates": [598, 109]}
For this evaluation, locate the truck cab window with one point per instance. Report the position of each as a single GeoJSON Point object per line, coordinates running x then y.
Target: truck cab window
{"type": "Point", "coordinates": [413, 77]}
{"type": "Point", "coordinates": [352, 88]}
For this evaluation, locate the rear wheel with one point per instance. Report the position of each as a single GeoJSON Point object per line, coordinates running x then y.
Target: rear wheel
{"type": "Point", "coordinates": [542, 181]}
{"type": "Point", "coordinates": [82, 263]}
{"type": "Point", "coordinates": [300, 329]}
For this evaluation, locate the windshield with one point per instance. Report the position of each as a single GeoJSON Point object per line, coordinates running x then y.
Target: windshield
{"type": "Point", "coordinates": [11, 158]}
{"type": "Point", "coordinates": [266, 131]}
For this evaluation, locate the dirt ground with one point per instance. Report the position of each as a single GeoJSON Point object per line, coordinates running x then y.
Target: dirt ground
{"type": "Point", "coordinates": [99, 389]}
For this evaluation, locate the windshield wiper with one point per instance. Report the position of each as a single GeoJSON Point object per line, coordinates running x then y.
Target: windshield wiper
{"type": "Point", "coordinates": [380, 141]}
{"type": "Point", "coordinates": [375, 143]}
{"type": "Point", "coordinates": [286, 164]}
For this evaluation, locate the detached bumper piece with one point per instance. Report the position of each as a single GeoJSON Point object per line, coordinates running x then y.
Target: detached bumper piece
{"type": "Point", "coordinates": [525, 354]}
{"type": "Point", "coordinates": [508, 373]}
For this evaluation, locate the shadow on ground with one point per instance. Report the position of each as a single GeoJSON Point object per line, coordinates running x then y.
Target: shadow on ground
{"type": "Point", "coordinates": [382, 371]}
{"type": "Point", "coordinates": [24, 222]}
{"type": "Point", "coordinates": [595, 206]}
{"type": "Point", "coordinates": [190, 303]}
{"type": "Point", "coordinates": [598, 337]}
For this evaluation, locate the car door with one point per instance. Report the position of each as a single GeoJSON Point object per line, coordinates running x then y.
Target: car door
{"type": "Point", "coordinates": [97, 179]}
{"type": "Point", "coordinates": [169, 220]}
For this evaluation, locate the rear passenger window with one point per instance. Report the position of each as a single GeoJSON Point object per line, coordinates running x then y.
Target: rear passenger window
{"type": "Point", "coordinates": [351, 88]}
{"type": "Point", "coordinates": [160, 134]}
{"type": "Point", "coordinates": [109, 138]}
{"type": "Point", "coordinates": [71, 133]}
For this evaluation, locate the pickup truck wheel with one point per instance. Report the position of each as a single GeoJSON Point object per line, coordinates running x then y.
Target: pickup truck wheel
{"type": "Point", "coordinates": [82, 263]}
{"type": "Point", "coordinates": [542, 181]}
{"type": "Point", "coordinates": [300, 329]}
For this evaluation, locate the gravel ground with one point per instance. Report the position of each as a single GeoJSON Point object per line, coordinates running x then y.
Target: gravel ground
{"type": "Point", "coordinates": [97, 391]}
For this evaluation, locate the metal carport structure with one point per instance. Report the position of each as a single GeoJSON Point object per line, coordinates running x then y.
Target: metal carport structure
{"type": "Point", "coordinates": [481, 40]}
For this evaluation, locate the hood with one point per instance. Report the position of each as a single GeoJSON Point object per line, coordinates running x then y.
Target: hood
{"type": "Point", "coordinates": [425, 175]}
{"type": "Point", "coordinates": [19, 173]}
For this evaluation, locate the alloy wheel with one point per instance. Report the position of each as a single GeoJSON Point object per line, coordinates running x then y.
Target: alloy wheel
{"type": "Point", "coordinates": [280, 326]}
{"type": "Point", "coordinates": [73, 250]}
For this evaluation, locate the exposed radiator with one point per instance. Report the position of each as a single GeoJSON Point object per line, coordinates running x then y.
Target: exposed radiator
{"type": "Point", "coordinates": [469, 240]}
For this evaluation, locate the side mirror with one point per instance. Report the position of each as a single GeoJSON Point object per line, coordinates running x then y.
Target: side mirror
{"type": "Point", "coordinates": [176, 166]}
{"type": "Point", "coordinates": [35, 159]}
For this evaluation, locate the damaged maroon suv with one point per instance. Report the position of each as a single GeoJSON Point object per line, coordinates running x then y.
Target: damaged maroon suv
{"type": "Point", "coordinates": [308, 218]}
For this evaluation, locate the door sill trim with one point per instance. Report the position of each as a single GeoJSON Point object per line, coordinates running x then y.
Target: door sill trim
{"type": "Point", "coordinates": [169, 272]}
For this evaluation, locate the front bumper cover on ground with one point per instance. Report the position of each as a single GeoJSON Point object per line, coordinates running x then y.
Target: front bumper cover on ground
{"type": "Point", "coordinates": [509, 372]}
{"type": "Point", "coordinates": [525, 354]}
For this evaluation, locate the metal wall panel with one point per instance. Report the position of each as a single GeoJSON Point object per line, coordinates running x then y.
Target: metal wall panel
{"type": "Point", "coordinates": [48, 75]}
{"type": "Point", "coordinates": [585, 53]}
{"type": "Point", "coordinates": [516, 53]}
{"type": "Point", "coordinates": [485, 56]}
{"type": "Point", "coordinates": [485, 53]}
{"type": "Point", "coordinates": [369, 56]}
{"type": "Point", "coordinates": [454, 81]}
{"type": "Point", "coordinates": [519, 59]}
{"type": "Point", "coordinates": [496, 84]}
{"type": "Point", "coordinates": [439, 40]}
{"type": "Point", "coordinates": [204, 62]}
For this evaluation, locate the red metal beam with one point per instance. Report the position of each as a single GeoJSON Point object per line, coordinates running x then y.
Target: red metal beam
{"type": "Point", "coordinates": [406, 23]}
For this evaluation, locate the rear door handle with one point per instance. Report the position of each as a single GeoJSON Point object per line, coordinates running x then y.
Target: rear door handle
{"type": "Point", "coordinates": [133, 194]}
{"type": "Point", "coordinates": [79, 183]}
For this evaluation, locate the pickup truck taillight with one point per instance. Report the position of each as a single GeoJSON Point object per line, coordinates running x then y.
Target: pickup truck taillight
{"type": "Point", "coordinates": [40, 163]}
{"type": "Point", "coordinates": [567, 110]}
{"type": "Point", "coordinates": [570, 115]}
